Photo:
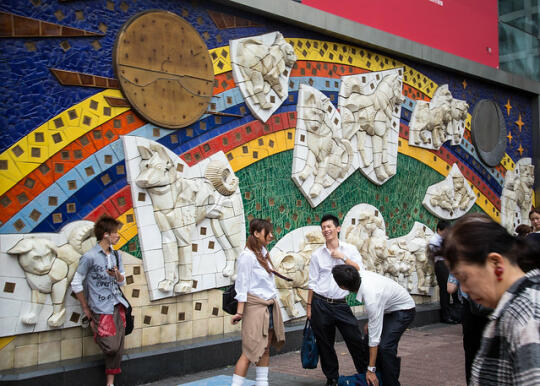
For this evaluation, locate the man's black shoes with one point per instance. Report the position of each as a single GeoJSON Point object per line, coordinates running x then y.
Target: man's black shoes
{"type": "Point", "coordinates": [331, 382]}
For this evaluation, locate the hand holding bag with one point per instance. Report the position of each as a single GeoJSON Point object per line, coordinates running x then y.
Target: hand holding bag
{"type": "Point", "coordinates": [309, 352]}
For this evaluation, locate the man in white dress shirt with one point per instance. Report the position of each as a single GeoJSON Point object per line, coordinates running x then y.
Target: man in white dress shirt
{"type": "Point", "coordinates": [327, 307]}
{"type": "Point", "coordinates": [390, 311]}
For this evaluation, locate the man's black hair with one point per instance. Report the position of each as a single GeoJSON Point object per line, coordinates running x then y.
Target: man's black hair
{"type": "Point", "coordinates": [328, 216]}
{"type": "Point", "coordinates": [442, 225]}
{"type": "Point", "coordinates": [347, 276]}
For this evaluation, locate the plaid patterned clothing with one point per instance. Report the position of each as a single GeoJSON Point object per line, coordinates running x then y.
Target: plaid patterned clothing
{"type": "Point", "coordinates": [510, 350]}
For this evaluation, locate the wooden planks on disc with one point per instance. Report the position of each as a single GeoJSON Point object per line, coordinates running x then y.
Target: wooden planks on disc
{"type": "Point", "coordinates": [164, 68]}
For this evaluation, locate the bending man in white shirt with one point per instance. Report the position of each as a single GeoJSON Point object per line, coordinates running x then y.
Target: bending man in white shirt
{"type": "Point", "coordinates": [390, 311]}
{"type": "Point", "coordinates": [327, 307]}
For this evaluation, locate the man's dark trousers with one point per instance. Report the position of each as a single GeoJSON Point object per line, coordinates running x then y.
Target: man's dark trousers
{"type": "Point", "coordinates": [325, 317]}
{"type": "Point", "coordinates": [388, 363]}
{"type": "Point", "coordinates": [441, 272]}
{"type": "Point", "coordinates": [473, 328]}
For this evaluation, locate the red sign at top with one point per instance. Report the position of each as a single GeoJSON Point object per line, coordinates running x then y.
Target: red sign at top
{"type": "Point", "coordinates": [461, 27]}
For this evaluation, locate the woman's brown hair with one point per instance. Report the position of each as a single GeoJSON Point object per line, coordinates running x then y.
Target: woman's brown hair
{"type": "Point", "coordinates": [254, 244]}
{"type": "Point", "coordinates": [473, 237]}
{"type": "Point", "coordinates": [534, 210]}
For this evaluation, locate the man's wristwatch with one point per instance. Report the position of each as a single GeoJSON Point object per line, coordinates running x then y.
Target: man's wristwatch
{"type": "Point", "coordinates": [371, 369]}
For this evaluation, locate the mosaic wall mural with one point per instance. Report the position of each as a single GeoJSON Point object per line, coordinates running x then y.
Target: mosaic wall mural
{"type": "Point", "coordinates": [279, 123]}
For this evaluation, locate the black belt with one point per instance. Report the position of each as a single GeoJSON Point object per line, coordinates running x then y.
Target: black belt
{"type": "Point", "coordinates": [328, 300]}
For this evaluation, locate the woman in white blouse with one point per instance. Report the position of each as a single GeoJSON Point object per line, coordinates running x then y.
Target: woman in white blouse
{"type": "Point", "coordinates": [257, 304]}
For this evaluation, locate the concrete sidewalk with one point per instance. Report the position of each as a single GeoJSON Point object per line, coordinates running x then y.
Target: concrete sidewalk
{"type": "Point", "coordinates": [430, 355]}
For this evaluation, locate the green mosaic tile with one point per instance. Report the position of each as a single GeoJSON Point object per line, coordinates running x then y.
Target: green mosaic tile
{"type": "Point", "coordinates": [133, 247]}
{"type": "Point", "coordinates": [269, 192]}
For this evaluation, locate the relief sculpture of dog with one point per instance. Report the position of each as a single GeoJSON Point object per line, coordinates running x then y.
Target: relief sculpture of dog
{"type": "Point", "coordinates": [438, 121]}
{"type": "Point", "coordinates": [49, 268]}
{"type": "Point", "coordinates": [181, 203]}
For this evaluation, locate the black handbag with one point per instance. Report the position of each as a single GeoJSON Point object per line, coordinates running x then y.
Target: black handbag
{"type": "Point", "coordinates": [309, 352]}
{"type": "Point", "coordinates": [230, 304]}
{"type": "Point", "coordinates": [129, 311]}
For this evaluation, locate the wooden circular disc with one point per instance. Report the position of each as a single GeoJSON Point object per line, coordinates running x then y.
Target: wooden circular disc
{"type": "Point", "coordinates": [164, 68]}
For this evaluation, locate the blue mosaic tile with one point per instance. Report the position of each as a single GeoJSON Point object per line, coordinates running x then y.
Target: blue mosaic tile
{"type": "Point", "coordinates": [89, 162]}
{"type": "Point", "coordinates": [70, 182]}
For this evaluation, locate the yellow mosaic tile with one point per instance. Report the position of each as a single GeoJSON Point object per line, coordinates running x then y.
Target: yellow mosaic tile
{"type": "Point", "coordinates": [9, 173]}
{"type": "Point", "coordinates": [252, 151]}
{"type": "Point", "coordinates": [419, 81]}
{"type": "Point", "coordinates": [4, 341]}
{"type": "Point", "coordinates": [289, 138]}
{"type": "Point", "coordinates": [56, 134]}
{"type": "Point", "coordinates": [129, 229]}
{"type": "Point", "coordinates": [221, 59]}
{"type": "Point", "coordinates": [468, 122]}
{"type": "Point", "coordinates": [508, 163]}
{"type": "Point", "coordinates": [38, 153]}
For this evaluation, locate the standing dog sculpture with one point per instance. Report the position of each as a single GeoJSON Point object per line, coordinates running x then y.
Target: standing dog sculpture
{"type": "Point", "coordinates": [182, 203]}
{"type": "Point", "coordinates": [372, 115]}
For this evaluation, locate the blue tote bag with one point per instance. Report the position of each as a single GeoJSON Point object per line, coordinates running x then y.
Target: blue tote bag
{"type": "Point", "coordinates": [309, 352]}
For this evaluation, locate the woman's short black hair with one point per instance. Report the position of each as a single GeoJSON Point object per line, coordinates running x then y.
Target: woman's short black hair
{"type": "Point", "coordinates": [347, 276]}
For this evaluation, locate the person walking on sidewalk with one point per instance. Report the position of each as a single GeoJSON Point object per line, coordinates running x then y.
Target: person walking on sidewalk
{"type": "Point", "coordinates": [441, 273]}
{"type": "Point", "coordinates": [390, 311]}
{"type": "Point", "coordinates": [499, 271]}
{"type": "Point", "coordinates": [258, 308]}
{"type": "Point", "coordinates": [327, 307]}
{"type": "Point", "coordinates": [104, 305]}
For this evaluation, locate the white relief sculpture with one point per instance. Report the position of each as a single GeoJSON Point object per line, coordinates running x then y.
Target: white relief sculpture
{"type": "Point", "coordinates": [261, 66]}
{"type": "Point", "coordinates": [516, 197]}
{"type": "Point", "coordinates": [411, 265]}
{"type": "Point", "coordinates": [401, 263]}
{"type": "Point", "coordinates": [403, 259]}
{"type": "Point", "coordinates": [450, 198]}
{"type": "Point", "coordinates": [291, 257]}
{"type": "Point", "coordinates": [293, 266]}
{"type": "Point", "coordinates": [435, 122]}
{"type": "Point", "coordinates": [417, 247]}
{"type": "Point", "coordinates": [190, 219]}
{"type": "Point", "coordinates": [49, 267]}
{"type": "Point", "coordinates": [367, 233]}
{"type": "Point", "coordinates": [370, 106]}
{"type": "Point", "coordinates": [322, 158]}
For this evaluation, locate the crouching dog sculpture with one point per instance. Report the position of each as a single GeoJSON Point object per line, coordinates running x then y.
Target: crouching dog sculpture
{"type": "Point", "coordinates": [49, 268]}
